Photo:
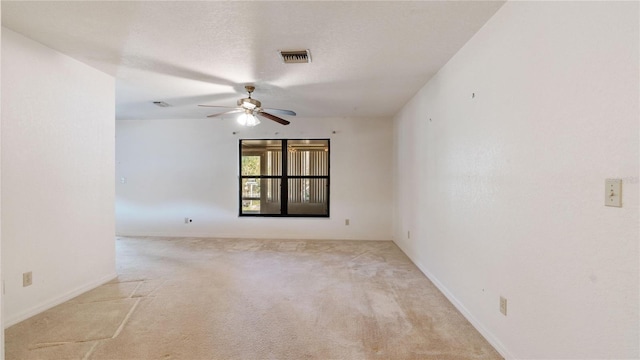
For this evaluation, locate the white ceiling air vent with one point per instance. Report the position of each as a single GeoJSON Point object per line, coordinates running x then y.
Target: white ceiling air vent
{"type": "Point", "coordinates": [161, 104]}
{"type": "Point", "coordinates": [295, 56]}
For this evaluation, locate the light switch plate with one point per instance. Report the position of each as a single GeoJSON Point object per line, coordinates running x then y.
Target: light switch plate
{"type": "Point", "coordinates": [613, 192]}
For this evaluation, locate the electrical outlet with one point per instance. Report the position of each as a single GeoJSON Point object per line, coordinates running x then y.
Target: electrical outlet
{"type": "Point", "coordinates": [27, 279]}
{"type": "Point", "coordinates": [346, 222]}
{"type": "Point", "coordinates": [613, 192]}
{"type": "Point", "coordinates": [503, 306]}
{"type": "Point", "coordinates": [408, 234]}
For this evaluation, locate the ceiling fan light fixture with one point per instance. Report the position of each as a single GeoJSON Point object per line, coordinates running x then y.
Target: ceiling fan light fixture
{"type": "Point", "coordinates": [252, 120]}
{"type": "Point", "coordinates": [248, 119]}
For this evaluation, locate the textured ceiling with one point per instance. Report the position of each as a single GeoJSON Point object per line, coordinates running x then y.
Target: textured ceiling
{"type": "Point", "coordinates": [369, 58]}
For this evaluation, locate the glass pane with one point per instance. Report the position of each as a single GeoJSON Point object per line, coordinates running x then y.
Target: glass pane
{"type": "Point", "coordinates": [263, 157]}
{"type": "Point", "coordinates": [251, 206]}
{"type": "Point", "coordinates": [273, 163]}
{"type": "Point", "coordinates": [308, 197]}
{"type": "Point", "coordinates": [260, 196]}
{"type": "Point", "coordinates": [250, 165]}
{"type": "Point", "coordinates": [308, 157]}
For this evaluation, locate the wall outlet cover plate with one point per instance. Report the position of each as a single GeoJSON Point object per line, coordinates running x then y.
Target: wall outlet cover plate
{"type": "Point", "coordinates": [613, 192]}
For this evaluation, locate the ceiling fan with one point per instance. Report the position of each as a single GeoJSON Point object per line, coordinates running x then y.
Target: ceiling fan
{"type": "Point", "coordinates": [250, 108]}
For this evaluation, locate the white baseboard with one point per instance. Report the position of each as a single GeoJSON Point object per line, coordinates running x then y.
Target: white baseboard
{"type": "Point", "coordinates": [488, 335]}
{"type": "Point", "coordinates": [236, 236]}
{"type": "Point", "coordinates": [24, 315]}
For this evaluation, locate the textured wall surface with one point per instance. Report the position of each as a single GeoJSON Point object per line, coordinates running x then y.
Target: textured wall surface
{"type": "Point", "coordinates": [500, 167]}
{"type": "Point", "coordinates": [189, 168]}
{"type": "Point", "coordinates": [57, 176]}
{"type": "Point", "coordinates": [1, 272]}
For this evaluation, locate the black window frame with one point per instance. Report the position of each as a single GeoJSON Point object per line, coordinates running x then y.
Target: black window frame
{"type": "Point", "coordinates": [284, 180]}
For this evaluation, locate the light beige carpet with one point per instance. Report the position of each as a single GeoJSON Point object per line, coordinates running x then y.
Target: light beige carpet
{"type": "Point", "coordinates": [254, 299]}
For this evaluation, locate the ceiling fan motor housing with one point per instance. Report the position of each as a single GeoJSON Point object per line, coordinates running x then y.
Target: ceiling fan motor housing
{"type": "Point", "coordinates": [249, 103]}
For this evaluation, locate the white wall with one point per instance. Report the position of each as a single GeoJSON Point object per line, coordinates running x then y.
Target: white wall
{"type": "Point", "coordinates": [188, 168]}
{"type": "Point", "coordinates": [57, 176]}
{"type": "Point", "coordinates": [1, 272]}
{"type": "Point", "coordinates": [504, 193]}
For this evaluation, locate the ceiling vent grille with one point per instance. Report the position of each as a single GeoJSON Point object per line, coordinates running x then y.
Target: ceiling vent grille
{"type": "Point", "coordinates": [296, 56]}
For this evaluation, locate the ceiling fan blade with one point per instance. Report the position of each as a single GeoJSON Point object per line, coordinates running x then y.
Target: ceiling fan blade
{"type": "Point", "coordinates": [225, 113]}
{"type": "Point", "coordinates": [224, 107]}
{"type": "Point", "coordinates": [274, 118]}
{"type": "Point", "coordinates": [281, 111]}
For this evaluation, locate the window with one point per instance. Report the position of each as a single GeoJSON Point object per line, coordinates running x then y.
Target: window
{"type": "Point", "coordinates": [294, 170]}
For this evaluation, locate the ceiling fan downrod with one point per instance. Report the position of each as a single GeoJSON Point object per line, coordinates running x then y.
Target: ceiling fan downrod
{"type": "Point", "coordinates": [249, 103]}
{"type": "Point", "coordinates": [250, 89]}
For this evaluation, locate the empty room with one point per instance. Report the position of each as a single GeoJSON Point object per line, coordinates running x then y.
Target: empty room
{"type": "Point", "coordinates": [320, 180]}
